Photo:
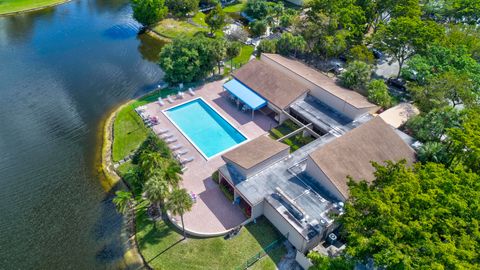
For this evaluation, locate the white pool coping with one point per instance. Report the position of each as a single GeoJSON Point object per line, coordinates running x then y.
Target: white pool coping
{"type": "Point", "coordinates": [191, 141]}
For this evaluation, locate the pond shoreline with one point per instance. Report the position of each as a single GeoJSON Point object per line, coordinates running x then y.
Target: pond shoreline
{"type": "Point", "coordinates": [33, 9]}
{"type": "Point", "coordinates": [111, 179]}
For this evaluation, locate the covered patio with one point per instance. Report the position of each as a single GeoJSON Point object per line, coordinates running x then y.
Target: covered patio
{"type": "Point", "coordinates": [244, 97]}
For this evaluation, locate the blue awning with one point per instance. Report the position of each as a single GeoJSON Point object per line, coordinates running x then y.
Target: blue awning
{"type": "Point", "coordinates": [245, 94]}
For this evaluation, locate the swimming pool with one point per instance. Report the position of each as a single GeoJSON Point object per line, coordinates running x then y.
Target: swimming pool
{"type": "Point", "coordinates": [209, 132]}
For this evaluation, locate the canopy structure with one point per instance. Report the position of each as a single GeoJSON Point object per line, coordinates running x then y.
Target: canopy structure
{"type": "Point", "coordinates": [245, 94]}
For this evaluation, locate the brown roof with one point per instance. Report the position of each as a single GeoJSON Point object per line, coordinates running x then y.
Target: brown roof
{"type": "Point", "coordinates": [254, 152]}
{"type": "Point", "coordinates": [278, 89]}
{"type": "Point", "coordinates": [350, 155]}
{"type": "Point", "coordinates": [351, 97]}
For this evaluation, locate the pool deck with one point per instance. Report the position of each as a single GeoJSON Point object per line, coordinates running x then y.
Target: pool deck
{"type": "Point", "coordinates": [213, 213]}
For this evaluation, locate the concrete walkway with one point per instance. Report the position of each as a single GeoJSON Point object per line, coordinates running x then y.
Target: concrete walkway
{"type": "Point", "coordinates": [213, 213]}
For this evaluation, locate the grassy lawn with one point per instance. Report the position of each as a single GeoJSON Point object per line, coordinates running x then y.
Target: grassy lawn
{"type": "Point", "coordinates": [172, 28]}
{"type": "Point", "coordinates": [162, 248]}
{"type": "Point", "coordinates": [8, 6]}
{"type": "Point", "coordinates": [235, 8]}
{"type": "Point", "coordinates": [199, 19]}
{"type": "Point", "coordinates": [294, 142]}
{"type": "Point", "coordinates": [129, 132]}
{"type": "Point", "coordinates": [244, 55]}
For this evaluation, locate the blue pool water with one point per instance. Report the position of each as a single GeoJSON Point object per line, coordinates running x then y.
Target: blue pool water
{"type": "Point", "coordinates": [203, 126]}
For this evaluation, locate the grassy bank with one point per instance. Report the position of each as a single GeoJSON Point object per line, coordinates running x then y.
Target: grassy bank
{"type": "Point", "coordinates": [11, 6]}
{"type": "Point", "coordinates": [173, 28]}
{"type": "Point", "coordinates": [162, 247]}
{"type": "Point", "coordinates": [244, 56]}
{"type": "Point", "coordinates": [129, 130]}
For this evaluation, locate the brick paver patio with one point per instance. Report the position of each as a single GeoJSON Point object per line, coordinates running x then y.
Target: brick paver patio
{"type": "Point", "coordinates": [212, 213]}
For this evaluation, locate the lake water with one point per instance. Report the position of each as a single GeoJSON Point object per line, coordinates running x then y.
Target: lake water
{"type": "Point", "coordinates": [61, 70]}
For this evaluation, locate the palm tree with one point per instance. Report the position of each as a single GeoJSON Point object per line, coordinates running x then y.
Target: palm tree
{"type": "Point", "coordinates": [122, 201]}
{"type": "Point", "coordinates": [179, 202]}
{"type": "Point", "coordinates": [170, 171]}
{"type": "Point", "coordinates": [156, 189]}
{"type": "Point", "coordinates": [149, 162]}
{"type": "Point", "coordinates": [432, 152]}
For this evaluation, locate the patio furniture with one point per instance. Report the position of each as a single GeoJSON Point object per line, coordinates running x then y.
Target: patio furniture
{"type": "Point", "coordinates": [166, 136]}
{"type": "Point", "coordinates": [162, 131]}
{"type": "Point", "coordinates": [245, 108]}
{"type": "Point", "coordinates": [180, 94]}
{"type": "Point", "coordinates": [181, 152]}
{"type": "Point", "coordinates": [171, 140]}
{"type": "Point", "coordinates": [160, 101]}
{"type": "Point", "coordinates": [190, 90]}
{"type": "Point", "coordinates": [169, 98]}
{"type": "Point", "coordinates": [176, 147]}
{"type": "Point", "coordinates": [186, 160]}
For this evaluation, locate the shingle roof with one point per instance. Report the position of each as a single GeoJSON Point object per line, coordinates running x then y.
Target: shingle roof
{"type": "Point", "coordinates": [278, 89]}
{"type": "Point", "coordinates": [350, 154]}
{"type": "Point", "coordinates": [254, 152]}
{"type": "Point", "coordinates": [351, 97]}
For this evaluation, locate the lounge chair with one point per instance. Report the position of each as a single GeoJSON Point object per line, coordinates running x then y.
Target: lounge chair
{"type": "Point", "coordinates": [190, 90]}
{"type": "Point", "coordinates": [166, 136]}
{"type": "Point", "coordinates": [160, 101]}
{"type": "Point", "coordinates": [171, 140]}
{"type": "Point", "coordinates": [180, 94]}
{"type": "Point", "coordinates": [161, 131]}
{"type": "Point", "coordinates": [169, 98]}
{"type": "Point", "coordinates": [186, 160]}
{"type": "Point", "coordinates": [176, 147]}
{"type": "Point", "coordinates": [181, 152]}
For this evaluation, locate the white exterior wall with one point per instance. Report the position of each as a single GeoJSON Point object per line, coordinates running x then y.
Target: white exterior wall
{"type": "Point", "coordinates": [284, 226]}
{"type": "Point", "coordinates": [257, 210]}
{"type": "Point", "coordinates": [321, 178]}
{"type": "Point", "coordinates": [303, 261]}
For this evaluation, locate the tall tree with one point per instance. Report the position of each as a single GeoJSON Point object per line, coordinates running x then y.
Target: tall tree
{"type": "Point", "coordinates": [432, 126]}
{"type": "Point", "coordinates": [289, 44]}
{"type": "Point", "coordinates": [215, 19]}
{"type": "Point", "coordinates": [464, 141]}
{"type": "Point", "coordinates": [256, 9]}
{"type": "Point", "coordinates": [233, 50]}
{"type": "Point", "coordinates": [356, 76]}
{"type": "Point", "coordinates": [425, 217]}
{"type": "Point", "coordinates": [438, 59]}
{"type": "Point", "coordinates": [377, 92]}
{"type": "Point", "coordinates": [449, 88]}
{"type": "Point", "coordinates": [178, 203]}
{"type": "Point", "coordinates": [156, 189]}
{"type": "Point", "coordinates": [187, 59]}
{"type": "Point", "coordinates": [148, 12]}
{"type": "Point", "coordinates": [403, 37]}
{"type": "Point", "coordinates": [182, 8]}
{"type": "Point", "coordinates": [123, 200]}
{"type": "Point", "coordinates": [150, 162]}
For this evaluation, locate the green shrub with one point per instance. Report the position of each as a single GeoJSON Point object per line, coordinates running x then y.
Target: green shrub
{"type": "Point", "coordinates": [216, 177]}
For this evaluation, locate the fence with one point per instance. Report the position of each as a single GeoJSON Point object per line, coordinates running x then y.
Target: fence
{"type": "Point", "coordinates": [260, 254]}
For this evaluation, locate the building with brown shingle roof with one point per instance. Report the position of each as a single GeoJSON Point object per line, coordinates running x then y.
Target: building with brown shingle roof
{"type": "Point", "coordinates": [352, 154]}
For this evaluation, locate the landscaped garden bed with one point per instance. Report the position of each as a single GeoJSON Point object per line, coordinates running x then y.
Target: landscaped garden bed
{"type": "Point", "coordinates": [296, 141]}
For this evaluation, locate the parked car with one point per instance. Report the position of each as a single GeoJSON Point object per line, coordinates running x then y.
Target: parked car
{"type": "Point", "coordinates": [335, 66]}
{"type": "Point", "coordinates": [397, 83]}
{"type": "Point", "coordinates": [377, 54]}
